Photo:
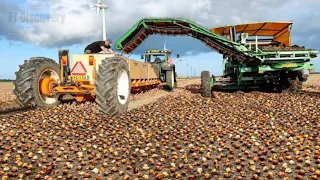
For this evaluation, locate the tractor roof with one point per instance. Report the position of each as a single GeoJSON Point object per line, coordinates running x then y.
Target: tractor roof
{"type": "Point", "coordinates": [158, 51]}
{"type": "Point", "coordinates": [256, 29]}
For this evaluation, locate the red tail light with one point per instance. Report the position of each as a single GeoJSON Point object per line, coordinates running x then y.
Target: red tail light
{"type": "Point", "coordinates": [64, 60]}
{"type": "Point", "coordinates": [91, 60]}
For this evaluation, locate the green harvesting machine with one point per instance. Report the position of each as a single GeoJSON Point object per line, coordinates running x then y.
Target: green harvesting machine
{"type": "Point", "coordinates": [256, 56]}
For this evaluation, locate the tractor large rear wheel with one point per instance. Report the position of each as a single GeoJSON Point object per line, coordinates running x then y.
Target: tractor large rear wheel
{"type": "Point", "coordinates": [170, 79]}
{"type": "Point", "coordinates": [113, 86]}
{"type": "Point", "coordinates": [205, 84]}
{"type": "Point", "coordinates": [34, 81]}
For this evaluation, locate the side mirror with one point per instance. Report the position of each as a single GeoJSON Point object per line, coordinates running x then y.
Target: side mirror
{"type": "Point", "coordinates": [178, 55]}
{"type": "Point", "coordinates": [142, 57]}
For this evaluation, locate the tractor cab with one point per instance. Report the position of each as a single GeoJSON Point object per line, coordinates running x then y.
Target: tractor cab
{"type": "Point", "coordinates": [163, 62]}
{"type": "Point", "coordinates": [157, 56]}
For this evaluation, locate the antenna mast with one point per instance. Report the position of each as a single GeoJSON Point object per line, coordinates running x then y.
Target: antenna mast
{"type": "Point", "coordinates": [100, 6]}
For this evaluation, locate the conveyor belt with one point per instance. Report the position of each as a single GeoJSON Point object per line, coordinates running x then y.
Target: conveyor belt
{"type": "Point", "coordinates": [182, 27]}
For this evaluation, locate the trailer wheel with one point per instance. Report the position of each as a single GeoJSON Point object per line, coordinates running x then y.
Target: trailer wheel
{"type": "Point", "coordinates": [113, 86]}
{"type": "Point", "coordinates": [170, 79]}
{"type": "Point", "coordinates": [33, 83]}
{"type": "Point", "coordinates": [205, 84]}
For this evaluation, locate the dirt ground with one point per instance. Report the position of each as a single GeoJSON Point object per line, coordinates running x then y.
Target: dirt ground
{"type": "Point", "coordinates": [7, 98]}
{"type": "Point", "coordinates": [313, 83]}
{"type": "Point", "coordinates": [173, 135]}
{"type": "Point", "coordinates": [236, 135]}
{"type": "Point", "coordinates": [161, 93]}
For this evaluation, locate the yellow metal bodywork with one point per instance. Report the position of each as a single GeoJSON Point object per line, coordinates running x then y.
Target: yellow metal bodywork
{"type": "Point", "coordinates": [84, 91]}
{"type": "Point", "coordinates": [141, 74]}
{"type": "Point", "coordinates": [82, 86]}
{"type": "Point", "coordinates": [280, 31]}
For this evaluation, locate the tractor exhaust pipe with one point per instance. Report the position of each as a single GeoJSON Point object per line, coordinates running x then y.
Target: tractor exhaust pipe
{"type": "Point", "coordinates": [303, 75]}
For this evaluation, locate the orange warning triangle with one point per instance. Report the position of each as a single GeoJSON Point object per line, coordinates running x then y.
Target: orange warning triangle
{"type": "Point", "coordinates": [78, 69]}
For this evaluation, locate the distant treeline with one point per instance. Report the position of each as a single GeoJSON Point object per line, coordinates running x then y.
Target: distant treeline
{"type": "Point", "coordinates": [6, 80]}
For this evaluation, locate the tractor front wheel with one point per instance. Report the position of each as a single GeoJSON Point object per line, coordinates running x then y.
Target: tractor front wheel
{"type": "Point", "coordinates": [34, 82]}
{"type": "Point", "coordinates": [205, 84]}
{"type": "Point", "coordinates": [113, 86]}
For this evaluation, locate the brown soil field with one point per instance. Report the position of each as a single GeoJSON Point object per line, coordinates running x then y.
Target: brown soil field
{"type": "Point", "coordinates": [7, 98]}
{"type": "Point", "coordinates": [313, 83]}
{"type": "Point", "coordinates": [176, 135]}
{"type": "Point", "coordinates": [180, 136]}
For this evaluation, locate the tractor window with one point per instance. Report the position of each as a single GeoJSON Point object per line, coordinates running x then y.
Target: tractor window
{"type": "Point", "coordinates": [147, 58]}
{"type": "Point", "coordinates": [168, 56]}
{"type": "Point", "coordinates": [157, 59]}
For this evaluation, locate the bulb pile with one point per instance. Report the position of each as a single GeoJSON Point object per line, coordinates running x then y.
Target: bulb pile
{"type": "Point", "coordinates": [234, 135]}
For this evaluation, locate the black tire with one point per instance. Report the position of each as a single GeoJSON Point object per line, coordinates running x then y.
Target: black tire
{"type": "Point", "coordinates": [291, 85]}
{"type": "Point", "coordinates": [295, 84]}
{"type": "Point", "coordinates": [205, 84]}
{"type": "Point", "coordinates": [107, 85]}
{"type": "Point", "coordinates": [175, 80]}
{"type": "Point", "coordinates": [170, 79]}
{"type": "Point", "coordinates": [27, 82]}
{"type": "Point", "coordinates": [268, 88]}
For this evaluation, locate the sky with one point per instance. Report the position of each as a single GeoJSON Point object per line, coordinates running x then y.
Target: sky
{"type": "Point", "coordinates": [32, 28]}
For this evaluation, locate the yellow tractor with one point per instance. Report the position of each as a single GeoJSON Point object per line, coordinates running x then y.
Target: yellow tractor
{"type": "Point", "coordinates": [106, 79]}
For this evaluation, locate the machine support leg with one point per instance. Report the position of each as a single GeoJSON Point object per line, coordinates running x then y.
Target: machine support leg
{"type": "Point", "coordinates": [61, 73]}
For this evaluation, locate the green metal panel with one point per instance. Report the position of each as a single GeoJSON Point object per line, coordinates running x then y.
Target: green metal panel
{"type": "Point", "coordinates": [249, 69]}
{"type": "Point", "coordinates": [228, 65]}
{"type": "Point", "coordinates": [240, 78]}
{"type": "Point", "coordinates": [274, 67]}
{"type": "Point", "coordinates": [309, 66]}
{"type": "Point", "coordinates": [283, 65]}
{"type": "Point", "coordinates": [264, 68]}
{"type": "Point", "coordinates": [212, 81]}
{"type": "Point", "coordinates": [294, 55]}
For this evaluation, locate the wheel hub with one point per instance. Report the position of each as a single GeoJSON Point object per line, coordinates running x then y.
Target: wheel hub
{"type": "Point", "coordinates": [46, 86]}
{"type": "Point", "coordinates": [46, 80]}
{"type": "Point", "coordinates": [123, 87]}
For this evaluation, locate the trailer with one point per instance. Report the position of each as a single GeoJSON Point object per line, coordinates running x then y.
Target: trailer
{"type": "Point", "coordinates": [107, 79]}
